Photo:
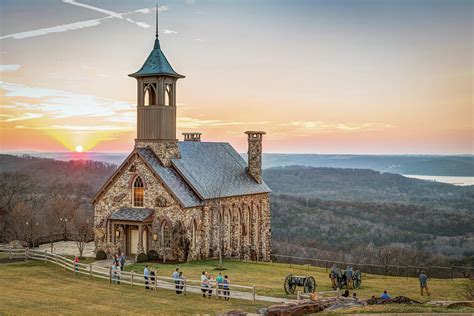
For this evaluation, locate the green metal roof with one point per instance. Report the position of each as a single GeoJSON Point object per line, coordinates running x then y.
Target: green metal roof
{"type": "Point", "coordinates": [156, 64]}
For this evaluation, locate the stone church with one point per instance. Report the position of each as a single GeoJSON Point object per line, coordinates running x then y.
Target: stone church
{"type": "Point", "coordinates": [187, 199]}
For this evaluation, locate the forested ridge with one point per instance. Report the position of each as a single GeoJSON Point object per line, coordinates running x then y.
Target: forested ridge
{"type": "Point", "coordinates": [338, 214]}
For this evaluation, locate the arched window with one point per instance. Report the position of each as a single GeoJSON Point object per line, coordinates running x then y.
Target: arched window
{"type": "Point", "coordinates": [150, 95]}
{"type": "Point", "coordinates": [228, 220]}
{"type": "Point", "coordinates": [168, 93]}
{"type": "Point", "coordinates": [165, 235]}
{"type": "Point", "coordinates": [138, 192]}
{"type": "Point", "coordinates": [194, 234]}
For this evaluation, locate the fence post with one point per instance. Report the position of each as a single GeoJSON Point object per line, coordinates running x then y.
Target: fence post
{"type": "Point", "coordinates": [74, 267]}
{"type": "Point", "coordinates": [10, 253]}
{"type": "Point", "coordinates": [156, 282]}
{"type": "Point", "coordinates": [110, 275]}
{"type": "Point", "coordinates": [90, 269]}
{"type": "Point", "coordinates": [184, 286]}
{"type": "Point", "coordinates": [26, 253]}
{"type": "Point", "coordinates": [131, 279]}
{"type": "Point", "coordinates": [45, 253]}
{"type": "Point", "coordinates": [253, 293]}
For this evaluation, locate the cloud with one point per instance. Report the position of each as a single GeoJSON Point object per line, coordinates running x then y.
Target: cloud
{"type": "Point", "coordinates": [56, 29]}
{"type": "Point", "coordinates": [24, 117]}
{"type": "Point", "coordinates": [322, 126]}
{"type": "Point", "coordinates": [84, 24]}
{"type": "Point", "coordinates": [7, 68]}
{"type": "Point", "coordinates": [190, 2]}
{"type": "Point", "coordinates": [60, 107]}
{"type": "Point", "coordinates": [189, 122]}
{"type": "Point", "coordinates": [169, 32]}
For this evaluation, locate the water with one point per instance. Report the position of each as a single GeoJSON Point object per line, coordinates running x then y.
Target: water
{"type": "Point", "coordinates": [444, 179]}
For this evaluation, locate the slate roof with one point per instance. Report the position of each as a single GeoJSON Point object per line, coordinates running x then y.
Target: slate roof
{"type": "Point", "coordinates": [132, 214]}
{"type": "Point", "coordinates": [156, 64]}
{"type": "Point", "coordinates": [172, 180]}
{"type": "Point", "coordinates": [215, 170]}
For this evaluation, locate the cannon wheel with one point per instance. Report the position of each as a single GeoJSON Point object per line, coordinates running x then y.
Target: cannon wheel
{"type": "Point", "coordinates": [309, 285]}
{"type": "Point", "coordinates": [289, 287]}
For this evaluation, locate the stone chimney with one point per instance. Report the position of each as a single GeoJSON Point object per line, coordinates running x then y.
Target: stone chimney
{"type": "Point", "coordinates": [255, 155]}
{"type": "Point", "coordinates": [192, 137]}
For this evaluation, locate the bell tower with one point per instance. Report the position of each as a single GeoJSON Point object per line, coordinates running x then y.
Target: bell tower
{"type": "Point", "coordinates": [156, 103]}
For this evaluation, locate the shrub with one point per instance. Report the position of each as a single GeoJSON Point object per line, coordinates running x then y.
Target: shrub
{"type": "Point", "coordinates": [153, 255]}
{"type": "Point", "coordinates": [142, 257]}
{"type": "Point", "coordinates": [100, 255]}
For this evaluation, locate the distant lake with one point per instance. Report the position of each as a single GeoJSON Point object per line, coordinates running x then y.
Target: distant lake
{"type": "Point", "coordinates": [444, 179]}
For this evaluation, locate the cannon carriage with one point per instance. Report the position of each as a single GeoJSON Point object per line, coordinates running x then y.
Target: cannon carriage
{"type": "Point", "coordinates": [292, 281]}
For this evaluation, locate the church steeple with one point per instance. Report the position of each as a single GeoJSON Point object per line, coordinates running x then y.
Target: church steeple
{"type": "Point", "coordinates": [156, 96]}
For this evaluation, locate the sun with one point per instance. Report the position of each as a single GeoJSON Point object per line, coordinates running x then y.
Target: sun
{"type": "Point", "coordinates": [79, 149]}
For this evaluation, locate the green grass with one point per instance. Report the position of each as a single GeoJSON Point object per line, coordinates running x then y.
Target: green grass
{"type": "Point", "coordinates": [42, 288]}
{"type": "Point", "coordinates": [83, 260]}
{"type": "Point", "coordinates": [39, 288]}
{"type": "Point", "coordinates": [268, 279]}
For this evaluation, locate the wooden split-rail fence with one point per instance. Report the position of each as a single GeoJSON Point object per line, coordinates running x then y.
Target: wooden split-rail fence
{"type": "Point", "coordinates": [132, 278]}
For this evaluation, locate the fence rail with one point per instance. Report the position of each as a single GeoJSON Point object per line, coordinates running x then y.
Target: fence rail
{"type": "Point", "coordinates": [387, 270]}
{"type": "Point", "coordinates": [132, 278]}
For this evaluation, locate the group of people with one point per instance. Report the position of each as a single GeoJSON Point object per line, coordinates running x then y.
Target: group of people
{"type": "Point", "coordinates": [118, 263]}
{"type": "Point", "coordinates": [149, 274]}
{"type": "Point", "coordinates": [178, 281]}
{"type": "Point", "coordinates": [223, 285]}
{"type": "Point", "coordinates": [340, 278]}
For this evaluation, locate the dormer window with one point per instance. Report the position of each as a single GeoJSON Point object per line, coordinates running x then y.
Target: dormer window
{"type": "Point", "coordinates": [138, 192]}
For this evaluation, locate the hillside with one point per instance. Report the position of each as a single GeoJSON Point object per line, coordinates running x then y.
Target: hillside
{"type": "Point", "coordinates": [364, 185]}
{"type": "Point", "coordinates": [321, 212]}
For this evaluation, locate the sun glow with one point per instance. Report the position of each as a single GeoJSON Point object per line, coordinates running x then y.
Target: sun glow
{"type": "Point", "coordinates": [79, 149]}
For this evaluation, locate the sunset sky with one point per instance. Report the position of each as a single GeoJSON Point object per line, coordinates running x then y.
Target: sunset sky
{"type": "Point", "coordinates": [383, 77]}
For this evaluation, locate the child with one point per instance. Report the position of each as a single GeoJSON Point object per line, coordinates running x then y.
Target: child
{"type": "Point", "coordinates": [226, 288]}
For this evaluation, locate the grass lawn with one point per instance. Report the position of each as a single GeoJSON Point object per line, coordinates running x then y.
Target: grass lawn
{"type": "Point", "coordinates": [43, 288]}
{"type": "Point", "coordinates": [84, 260]}
{"type": "Point", "coordinates": [38, 288]}
{"type": "Point", "coordinates": [269, 278]}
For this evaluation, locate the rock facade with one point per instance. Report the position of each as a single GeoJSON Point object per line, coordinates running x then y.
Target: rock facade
{"type": "Point", "coordinates": [240, 223]}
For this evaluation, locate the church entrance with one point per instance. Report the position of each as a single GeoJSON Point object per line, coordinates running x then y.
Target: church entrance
{"type": "Point", "coordinates": [133, 239]}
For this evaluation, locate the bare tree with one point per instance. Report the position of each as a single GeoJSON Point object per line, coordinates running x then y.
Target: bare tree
{"type": "Point", "coordinates": [14, 189]}
{"type": "Point", "coordinates": [83, 231]}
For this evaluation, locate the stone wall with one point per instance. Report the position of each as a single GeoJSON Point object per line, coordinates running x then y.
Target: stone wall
{"type": "Point", "coordinates": [241, 224]}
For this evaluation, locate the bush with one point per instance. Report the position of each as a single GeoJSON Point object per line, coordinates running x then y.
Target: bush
{"type": "Point", "coordinates": [100, 255]}
{"type": "Point", "coordinates": [142, 257]}
{"type": "Point", "coordinates": [153, 255]}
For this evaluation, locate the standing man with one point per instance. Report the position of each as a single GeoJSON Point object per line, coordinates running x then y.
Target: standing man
{"type": "Point", "coordinates": [146, 275]}
{"type": "Point", "coordinates": [333, 275]}
{"type": "Point", "coordinates": [349, 275]}
{"type": "Point", "coordinates": [423, 282]}
{"type": "Point", "coordinates": [176, 280]}
{"type": "Point", "coordinates": [122, 261]}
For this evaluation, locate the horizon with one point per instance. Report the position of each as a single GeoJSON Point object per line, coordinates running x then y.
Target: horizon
{"type": "Point", "coordinates": [323, 78]}
{"type": "Point", "coordinates": [240, 152]}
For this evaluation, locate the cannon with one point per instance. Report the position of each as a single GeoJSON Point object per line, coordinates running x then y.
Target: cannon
{"type": "Point", "coordinates": [292, 281]}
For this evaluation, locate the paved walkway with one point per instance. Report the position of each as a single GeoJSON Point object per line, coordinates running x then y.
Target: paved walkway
{"type": "Point", "coordinates": [68, 248]}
